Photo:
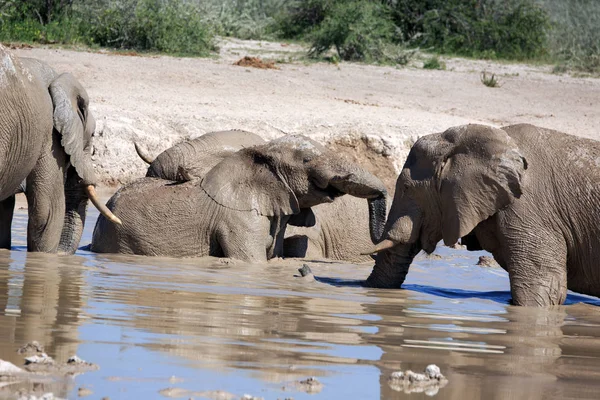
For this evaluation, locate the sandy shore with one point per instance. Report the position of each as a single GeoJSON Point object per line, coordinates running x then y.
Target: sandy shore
{"type": "Point", "coordinates": [366, 110]}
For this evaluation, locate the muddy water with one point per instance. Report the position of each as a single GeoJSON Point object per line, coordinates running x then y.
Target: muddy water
{"type": "Point", "coordinates": [162, 328]}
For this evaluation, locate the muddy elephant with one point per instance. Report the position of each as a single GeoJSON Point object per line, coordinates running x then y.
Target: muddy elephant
{"type": "Point", "coordinates": [45, 131]}
{"type": "Point", "coordinates": [240, 208]}
{"type": "Point", "coordinates": [197, 156]}
{"type": "Point", "coordinates": [340, 232]}
{"type": "Point", "coordinates": [526, 194]}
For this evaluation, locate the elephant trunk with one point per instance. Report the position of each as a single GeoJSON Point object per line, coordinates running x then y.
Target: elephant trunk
{"type": "Point", "coordinates": [401, 244]}
{"type": "Point", "coordinates": [76, 201]}
{"type": "Point", "coordinates": [363, 184]}
{"type": "Point", "coordinates": [391, 266]}
{"type": "Point", "coordinates": [377, 215]}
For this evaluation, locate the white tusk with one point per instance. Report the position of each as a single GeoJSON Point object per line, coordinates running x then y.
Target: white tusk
{"type": "Point", "coordinates": [91, 192]}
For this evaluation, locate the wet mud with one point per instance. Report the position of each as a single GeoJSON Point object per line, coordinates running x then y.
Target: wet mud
{"type": "Point", "coordinates": [187, 328]}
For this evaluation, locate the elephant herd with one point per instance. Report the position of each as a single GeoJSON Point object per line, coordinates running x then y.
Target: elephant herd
{"type": "Point", "coordinates": [528, 195]}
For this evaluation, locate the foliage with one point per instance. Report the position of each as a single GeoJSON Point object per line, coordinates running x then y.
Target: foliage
{"type": "Point", "coordinates": [357, 29]}
{"type": "Point", "coordinates": [434, 63]}
{"type": "Point", "coordinates": [489, 80]}
{"type": "Point", "coordinates": [300, 17]}
{"type": "Point", "coordinates": [514, 29]}
{"type": "Point", "coordinates": [170, 26]}
{"type": "Point", "coordinates": [574, 40]}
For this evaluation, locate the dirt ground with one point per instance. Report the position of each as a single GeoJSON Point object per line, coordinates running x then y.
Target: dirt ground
{"type": "Point", "coordinates": [374, 110]}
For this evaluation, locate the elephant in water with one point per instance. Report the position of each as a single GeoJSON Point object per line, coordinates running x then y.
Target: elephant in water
{"type": "Point", "coordinates": [528, 195]}
{"type": "Point", "coordinates": [45, 134]}
{"type": "Point", "coordinates": [240, 208]}
{"type": "Point", "coordinates": [338, 230]}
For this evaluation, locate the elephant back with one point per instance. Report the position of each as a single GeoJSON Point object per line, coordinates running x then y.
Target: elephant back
{"type": "Point", "coordinates": [200, 155]}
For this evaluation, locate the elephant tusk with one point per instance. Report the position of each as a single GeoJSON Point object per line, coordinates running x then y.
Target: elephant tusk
{"type": "Point", "coordinates": [141, 154]}
{"type": "Point", "coordinates": [383, 245]}
{"type": "Point", "coordinates": [91, 192]}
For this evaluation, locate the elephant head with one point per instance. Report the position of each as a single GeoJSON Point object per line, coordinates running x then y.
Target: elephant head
{"type": "Point", "coordinates": [451, 182]}
{"type": "Point", "coordinates": [289, 175]}
{"type": "Point", "coordinates": [75, 124]}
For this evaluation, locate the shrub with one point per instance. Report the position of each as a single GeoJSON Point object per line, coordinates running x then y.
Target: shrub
{"type": "Point", "coordinates": [574, 39]}
{"type": "Point", "coordinates": [492, 28]}
{"type": "Point", "coordinates": [170, 26]}
{"type": "Point", "coordinates": [434, 63]}
{"type": "Point", "coordinates": [357, 29]}
{"type": "Point", "coordinates": [301, 17]}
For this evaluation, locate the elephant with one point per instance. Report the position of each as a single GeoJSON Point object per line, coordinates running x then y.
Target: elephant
{"type": "Point", "coordinates": [45, 134]}
{"type": "Point", "coordinates": [340, 232]}
{"type": "Point", "coordinates": [240, 208]}
{"type": "Point", "coordinates": [199, 155]}
{"type": "Point", "coordinates": [336, 231]}
{"type": "Point", "coordinates": [526, 194]}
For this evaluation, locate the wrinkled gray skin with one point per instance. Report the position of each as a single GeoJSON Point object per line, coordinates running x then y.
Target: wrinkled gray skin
{"type": "Point", "coordinates": [528, 195]}
{"type": "Point", "coordinates": [45, 132]}
{"type": "Point", "coordinates": [341, 232]}
{"type": "Point", "coordinates": [327, 239]}
{"type": "Point", "coordinates": [241, 207]}
{"type": "Point", "coordinates": [199, 155]}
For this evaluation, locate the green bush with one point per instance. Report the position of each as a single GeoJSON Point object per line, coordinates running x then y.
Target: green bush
{"type": "Point", "coordinates": [170, 26]}
{"type": "Point", "coordinates": [244, 19]}
{"type": "Point", "coordinates": [300, 17]}
{"type": "Point", "coordinates": [514, 29]}
{"type": "Point", "coordinates": [574, 39]}
{"type": "Point", "coordinates": [358, 30]}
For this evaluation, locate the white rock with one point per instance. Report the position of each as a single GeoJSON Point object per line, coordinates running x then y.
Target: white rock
{"type": "Point", "coordinates": [433, 371]}
{"type": "Point", "coordinates": [8, 368]}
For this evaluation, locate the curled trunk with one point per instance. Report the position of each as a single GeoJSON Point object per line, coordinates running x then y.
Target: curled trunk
{"type": "Point", "coordinates": [361, 183]}
{"type": "Point", "coordinates": [391, 266]}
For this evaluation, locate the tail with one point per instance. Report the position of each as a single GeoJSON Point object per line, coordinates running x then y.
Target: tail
{"type": "Point", "coordinates": [141, 154]}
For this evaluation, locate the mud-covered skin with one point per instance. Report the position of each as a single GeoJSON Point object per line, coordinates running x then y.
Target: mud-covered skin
{"type": "Point", "coordinates": [199, 155]}
{"type": "Point", "coordinates": [45, 133]}
{"type": "Point", "coordinates": [526, 194]}
{"type": "Point", "coordinates": [241, 207]}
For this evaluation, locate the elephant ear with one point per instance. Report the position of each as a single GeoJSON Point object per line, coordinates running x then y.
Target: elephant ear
{"type": "Point", "coordinates": [249, 180]}
{"type": "Point", "coordinates": [481, 175]}
{"type": "Point", "coordinates": [74, 123]}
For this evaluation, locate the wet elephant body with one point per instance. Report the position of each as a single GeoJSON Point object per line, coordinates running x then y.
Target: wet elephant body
{"type": "Point", "coordinates": [45, 135]}
{"type": "Point", "coordinates": [526, 194]}
{"type": "Point", "coordinates": [240, 208]}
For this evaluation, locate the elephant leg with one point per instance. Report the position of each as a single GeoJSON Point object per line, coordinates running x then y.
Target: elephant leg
{"type": "Point", "coordinates": [7, 208]}
{"type": "Point", "coordinates": [46, 203]}
{"type": "Point", "coordinates": [245, 239]}
{"type": "Point", "coordinates": [537, 269]}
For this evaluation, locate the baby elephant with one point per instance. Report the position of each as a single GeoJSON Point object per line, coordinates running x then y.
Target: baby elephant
{"type": "Point", "coordinates": [240, 208]}
{"type": "Point", "coordinates": [528, 195]}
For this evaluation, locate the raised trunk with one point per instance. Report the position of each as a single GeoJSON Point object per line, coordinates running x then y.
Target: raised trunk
{"type": "Point", "coordinates": [76, 201]}
{"type": "Point", "coordinates": [391, 266]}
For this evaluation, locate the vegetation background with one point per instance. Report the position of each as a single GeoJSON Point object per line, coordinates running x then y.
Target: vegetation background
{"type": "Point", "coordinates": [563, 32]}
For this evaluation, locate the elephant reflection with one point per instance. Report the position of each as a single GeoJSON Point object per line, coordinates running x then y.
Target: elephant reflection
{"type": "Point", "coordinates": [523, 353]}
{"type": "Point", "coordinates": [41, 299]}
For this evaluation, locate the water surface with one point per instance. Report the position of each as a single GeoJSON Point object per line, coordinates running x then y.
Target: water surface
{"type": "Point", "coordinates": [202, 325]}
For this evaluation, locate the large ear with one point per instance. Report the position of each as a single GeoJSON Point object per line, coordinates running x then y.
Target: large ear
{"type": "Point", "coordinates": [75, 123]}
{"type": "Point", "coordinates": [481, 174]}
{"type": "Point", "coordinates": [249, 180]}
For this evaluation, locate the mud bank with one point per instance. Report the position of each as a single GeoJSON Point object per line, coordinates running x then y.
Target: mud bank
{"type": "Point", "coordinates": [159, 101]}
